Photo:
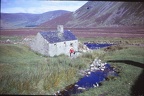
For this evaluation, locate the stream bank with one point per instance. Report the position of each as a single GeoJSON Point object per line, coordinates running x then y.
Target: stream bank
{"type": "Point", "coordinates": [91, 78]}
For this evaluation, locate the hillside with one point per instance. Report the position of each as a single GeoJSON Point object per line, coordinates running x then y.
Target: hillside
{"type": "Point", "coordinates": [18, 20]}
{"type": "Point", "coordinates": [102, 14]}
{"type": "Point", "coordinates": [62, 20]}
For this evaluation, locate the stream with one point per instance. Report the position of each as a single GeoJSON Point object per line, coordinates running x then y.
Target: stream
{"type": "Point", "coordinates": [97, 46]}
{"type": "Point", "coordinates": [92, 77]}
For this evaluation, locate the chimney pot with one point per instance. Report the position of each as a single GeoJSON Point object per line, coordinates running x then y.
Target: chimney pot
{"type": "Point", "coordinates": [60, 28]}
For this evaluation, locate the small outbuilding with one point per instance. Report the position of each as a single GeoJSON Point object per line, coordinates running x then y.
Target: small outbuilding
{"type": "Point", "coordinates": [54, 43]}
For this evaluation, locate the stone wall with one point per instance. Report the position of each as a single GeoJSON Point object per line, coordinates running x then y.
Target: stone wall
{"type": "Point", "coordinates": [40, 45]}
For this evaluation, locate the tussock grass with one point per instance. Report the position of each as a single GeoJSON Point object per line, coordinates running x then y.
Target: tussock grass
{"type": "Point", "coordinates": [24, 72]}
{"type": "Point", "coordinates": [128, 60]}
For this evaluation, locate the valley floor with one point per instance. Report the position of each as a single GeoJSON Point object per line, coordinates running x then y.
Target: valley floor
{"type": "Point", "coordinates": [124, 32]}
{"type": "Point", "coordinates": [26, 72]}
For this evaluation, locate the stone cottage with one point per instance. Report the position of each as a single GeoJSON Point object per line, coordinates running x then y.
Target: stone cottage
{"type": "Point", "coordinates": [54, 43]}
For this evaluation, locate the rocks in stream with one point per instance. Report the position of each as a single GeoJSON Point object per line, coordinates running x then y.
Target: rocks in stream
{"type": "Point", "coordinates": [94, 66]}
{"type": "Point", "coordinates": [91, 78]}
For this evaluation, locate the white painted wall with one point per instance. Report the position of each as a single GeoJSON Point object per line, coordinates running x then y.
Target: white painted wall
{"type": "Point", "coordinates": [62, 47]}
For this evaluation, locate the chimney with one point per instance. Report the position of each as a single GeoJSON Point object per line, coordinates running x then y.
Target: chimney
{"type": "Point", "coordinates": [60, 28]}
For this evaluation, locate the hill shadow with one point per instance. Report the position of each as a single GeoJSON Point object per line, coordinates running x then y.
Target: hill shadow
{"type": "Point", "coordinates": [138, 88]}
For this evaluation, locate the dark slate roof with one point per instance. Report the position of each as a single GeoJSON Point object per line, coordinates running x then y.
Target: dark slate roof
{"type": "Point", "coordinates": [53, 37]}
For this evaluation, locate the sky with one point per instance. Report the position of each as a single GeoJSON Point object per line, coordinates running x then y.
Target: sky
{"type": "Point", "coordinates": [38, 6]}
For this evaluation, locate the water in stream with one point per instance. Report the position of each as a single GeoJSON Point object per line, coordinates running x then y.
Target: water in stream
{"type": "Point", "coordinates": [96, 46]}
{"type": "Point", "coordinates": [93, 79]}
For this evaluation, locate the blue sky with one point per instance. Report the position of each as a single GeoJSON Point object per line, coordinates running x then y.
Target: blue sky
{"type": "Point", "coordinates": [38, 6]}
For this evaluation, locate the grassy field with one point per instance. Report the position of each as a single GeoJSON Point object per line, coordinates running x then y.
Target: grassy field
{"type": "Point", "coordinates": [24, 72]}
{"type": "Point", "coordinates": [130, 83]}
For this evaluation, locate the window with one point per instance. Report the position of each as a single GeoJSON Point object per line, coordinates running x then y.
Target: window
{"type": "Point", "coordinates": [71, 44]}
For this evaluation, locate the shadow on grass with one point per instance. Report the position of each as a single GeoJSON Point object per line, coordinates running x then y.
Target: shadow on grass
{"type": "Point", "coordinates": [138, 88]}
{"type": "Point", "coordinates": [129, 62]}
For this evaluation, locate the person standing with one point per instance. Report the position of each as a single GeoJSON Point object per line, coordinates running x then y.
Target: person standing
{"type": "Point", "coordinates": [71, 50]}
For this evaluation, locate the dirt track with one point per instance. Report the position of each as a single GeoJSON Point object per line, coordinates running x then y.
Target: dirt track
{"type": "Point", "coordinates": [81, 32]}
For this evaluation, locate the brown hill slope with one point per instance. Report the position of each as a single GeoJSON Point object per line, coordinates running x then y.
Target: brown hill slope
{"type": "Point", "coordinates": [102, 14]}
{"type": "Point", "coordinates": [59, 20]}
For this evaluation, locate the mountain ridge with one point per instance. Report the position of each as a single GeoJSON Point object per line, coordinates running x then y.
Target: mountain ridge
{"type": "Point", "coordinates": [96, 14]}
{"type": "Point", "coordinates": [19, 20]}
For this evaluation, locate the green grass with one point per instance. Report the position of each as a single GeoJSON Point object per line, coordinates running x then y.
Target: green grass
{"type": "Point", "coordinates": [119, 40]}
{"type": "Point", "coordinates": [121, 86]}
{"type": "Point", "coordinates": [17, 54]}
{"type": "Point", "coordinates": [24, 72]}
{"type": "Point", "coordinates": [12, 38]}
